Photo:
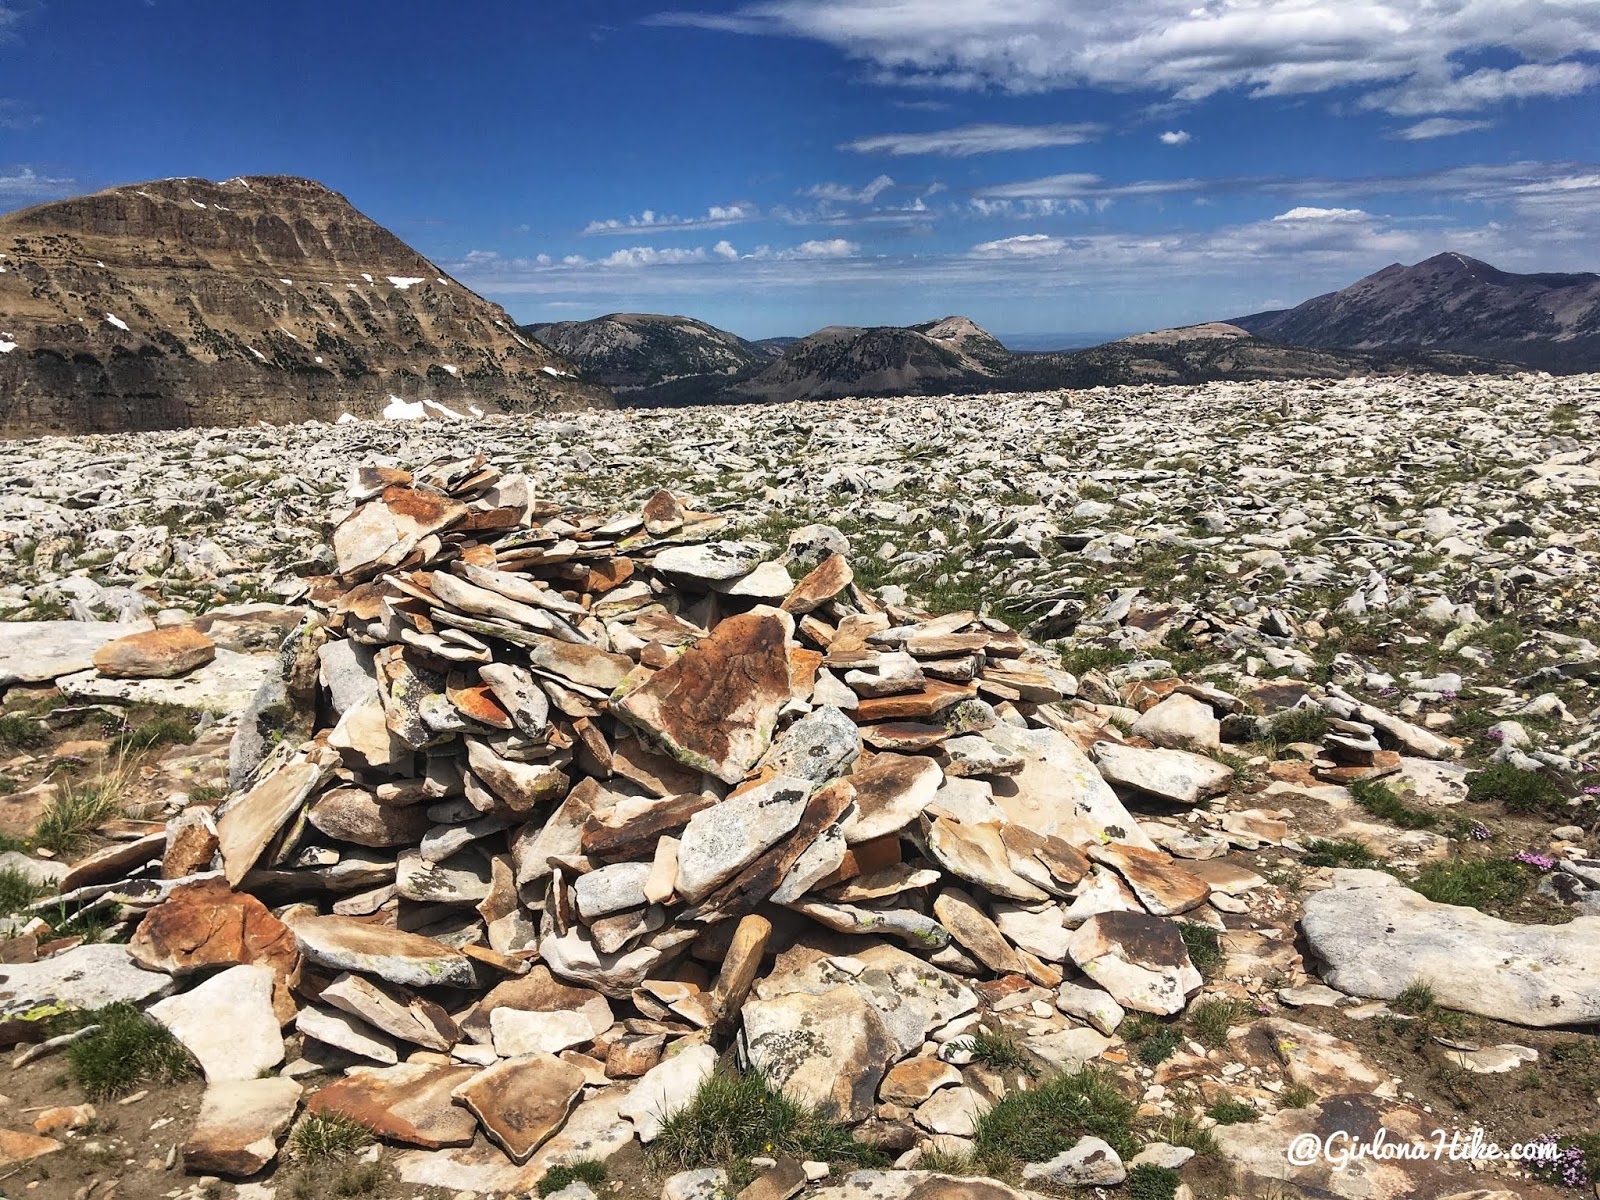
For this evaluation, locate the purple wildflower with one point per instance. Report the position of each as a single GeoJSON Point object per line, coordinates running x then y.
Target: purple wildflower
{"type": "Point", "coordinates": [1480, 833]}
{"type": "Point", "coordinates": [1496, 735]}
{"type": "Point", "coordinates": [1542, 862]}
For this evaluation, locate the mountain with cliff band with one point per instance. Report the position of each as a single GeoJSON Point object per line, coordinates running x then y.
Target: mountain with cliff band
{"type": "Point", "coordinates": [184, 302]}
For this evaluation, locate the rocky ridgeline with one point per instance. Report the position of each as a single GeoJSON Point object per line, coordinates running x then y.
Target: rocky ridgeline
{"type": "Point", "coordinates": [538, 810]}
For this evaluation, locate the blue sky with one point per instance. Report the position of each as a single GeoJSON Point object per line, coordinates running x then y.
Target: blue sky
{"type": "Point", "coordinates": [778, 165]}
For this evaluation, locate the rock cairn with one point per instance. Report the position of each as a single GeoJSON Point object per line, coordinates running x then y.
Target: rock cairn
{"type": "Point", "coordinates": [572, 801]}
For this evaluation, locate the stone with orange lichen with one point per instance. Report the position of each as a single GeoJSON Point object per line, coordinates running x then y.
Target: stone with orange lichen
{"type": "Point", "coordinates": [155, 653]}
{"type": "Point", "coordinates": [830, 577]}
{"type": "Point", "coordinates": [714, 708]}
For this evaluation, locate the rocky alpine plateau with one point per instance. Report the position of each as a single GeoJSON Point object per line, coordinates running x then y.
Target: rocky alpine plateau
{"type": "Point", "coordinates": [549, 807]}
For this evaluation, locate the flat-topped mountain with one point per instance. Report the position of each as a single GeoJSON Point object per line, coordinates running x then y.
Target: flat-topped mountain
{"type": "Point", "coordinates": [186, 302]}
{"type": "Point", "coordinates": [1452, 302]}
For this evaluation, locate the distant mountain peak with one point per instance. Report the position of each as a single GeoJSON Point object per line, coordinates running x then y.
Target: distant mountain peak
{"type": "Point", "coordinates": [1455, 302]}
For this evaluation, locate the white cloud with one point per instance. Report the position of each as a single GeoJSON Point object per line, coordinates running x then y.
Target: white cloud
{"type": "Point", "coordinates": [481, 262]}
{"type": "Point", "coordinates": [715, 217]}
{"type": "Point", "coordinates": [651, 256]}
{"type": "Point", "coordinates": [1485, 88]}
{"type": "Point", "coordinates": [844, 194]}
{"type": "Point", "coordinates": [1191, 50]}
{"type": "Point", "coordinates": [977, 139]}
{"type": "Point", "coordinates": [830, 248]}
{"type": "Point", "coordinates": [24, 183]}
{"type": "Point", "coordinates": [1072, 192]}
{"type": "Point", "coordinates": [1192, 274]}
{"type": "Point", "coordinates": [1438, 127]}
{"type": "Point", "coordinates": [1486, 183]}
{"type": "Point", "coordinates": [1024, 245]}
{"type": "Point", "coordinates": [1175, 137]}
{"type": "Point", "coordinates": [1323, 214]}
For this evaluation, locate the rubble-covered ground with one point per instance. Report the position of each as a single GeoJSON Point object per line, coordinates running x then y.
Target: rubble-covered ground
{"type": "Point", "coordinates": [1365, 615]}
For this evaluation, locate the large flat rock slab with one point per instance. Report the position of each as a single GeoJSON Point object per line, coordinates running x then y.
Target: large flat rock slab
{"type": "Point", "coordinates": [1376, 936]}
{"type": "Point", "coordinates": [41, 651]}
{"type": "Point", "coordinates": [86, 977]}
{"type": "Point", "coordinates": [225, 685]}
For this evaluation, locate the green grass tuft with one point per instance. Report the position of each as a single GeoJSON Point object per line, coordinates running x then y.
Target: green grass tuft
{"type": "Point", "coordinates": [734, 1116]}
{"type": "Point", "coordinates": [1414, 999]}
{"type": "Point", "coordinates": [1304, 724]}
{"type": "Point", "coordinates": [1322, 852]}
{"type": "Point", "coordinates": [1380, 800]}
{"type": "Point", "coordinates": [1297, 1095]}
{"type": "Point", "coordinates": [1228, 1111]}
{"type": "Point", "coordinates": [1204, 945]}
{"type": "Point", "coordinates": [1002, 1050]}
{"type": "Point", "coordinates": [1160, 1045]}
{"type": "Point", "coordinates": [21, 732]}
{"type": "Point", "coordinates": [1211, 1019]}
{"type": "Point", "coordinates": [127, 1050]}
{"type": "Point", "coordinates": [1148, 1182]}
{"type": "Point", "coordinates": [1481, 883]}
{"type": "Point", "coordinates": [17, 891]}
{"type": "Point", "coordinates": [590, 1171]}
{"type": "Point", "coordinates": [1036, 1125]}
{"type": "Point", "coordinates": [76, 809]}
{"type": "Point", "coordinates": [163, 730]}
{"type": "Point", "coordinates": [328, 1137]}
{"type": "Point", "coordinates": [1516, 790]}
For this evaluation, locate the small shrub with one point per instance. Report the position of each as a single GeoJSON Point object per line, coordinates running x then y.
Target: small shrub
{"type": "Point", "coordinates": [1147, 1182]}
{"type": "Point", "coordinates": [127, 1050]}
{"type": "Point", "coordinates": [1210, 1020]}
{"type": "Point", "coordinates": [18, 890]}
{"type": "Point", "coordinates": [1382, 801]}
{"type": "Point", "coordinates": [1204, 945]}
{"type": "Point", "coordinates": [327, 1137]}
{"type": "Point", "coordinates": [1516, 790]}
{"type": "Point", "coordinates": [1297, 1095]}
{"type": "Point", "coordinates": [1036, 1125]}
{"type": "Point", "coordinates": [1323, 852]}
{"type": "Point", "coordinates": [590, 1171]}
{"type": "Point", "coordinates": [734, 1116]}
{"type": "Point", "coordinates": [1228, 1111]}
